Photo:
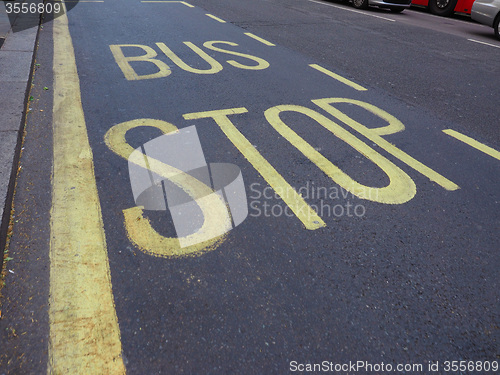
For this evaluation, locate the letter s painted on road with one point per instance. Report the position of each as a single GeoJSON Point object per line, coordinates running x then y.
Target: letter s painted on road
{"type": "Point", "coordinates": [139, 229]}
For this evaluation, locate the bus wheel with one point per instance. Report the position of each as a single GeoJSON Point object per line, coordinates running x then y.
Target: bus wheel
{"type": "Point", "coordinates": [360, 4]}
{"type": "Point", "coordinates": [442, 7]}
{"type": "Point", "coordinates": [496, 26]}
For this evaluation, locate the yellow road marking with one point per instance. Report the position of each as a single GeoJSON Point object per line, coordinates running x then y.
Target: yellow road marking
{"type": "Point", "coordinates": [401, 187]}
{"type": "Point", "coordinates": [129, 72]}
{"type": "Point", "coordinates": [84, 332]}
{"type": "Point", "coordinates": [215, 66]}
{"type": "Point", "coordinates": [374, 134]}
{"type": "Point", "coordinates": [300, 208]}
{"type": "Point", "coordinates": [215, 18]}
{"type": "Point", "coordinates": [216, 222]}
{"type": "Point", "coordinates": [473, 143]}
{"type": "Point", "coordinates": [261, 63]}
{"type": "Point", "coordinates": [258, 38]}
{"type": "Point", "coordinates": [124, 62]}
{"type": "Point", "coordinates": [162, 1]}
{"type": "Point", "coordinates": [339, 78]}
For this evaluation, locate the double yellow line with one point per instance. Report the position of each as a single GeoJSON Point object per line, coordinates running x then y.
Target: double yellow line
{"type": "Point", "coordinates": [84, 332]}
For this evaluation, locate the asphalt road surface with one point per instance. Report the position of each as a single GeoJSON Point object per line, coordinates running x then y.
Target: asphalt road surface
{"type": "Point", "coordinates": [367, 144]}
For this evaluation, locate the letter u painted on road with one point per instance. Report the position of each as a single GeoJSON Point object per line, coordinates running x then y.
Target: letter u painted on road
{"type": "Point", "coordinates": [215, 66]}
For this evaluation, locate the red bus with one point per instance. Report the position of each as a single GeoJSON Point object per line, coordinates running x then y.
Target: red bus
{"type": "Point", "coordinates": [446, 7]}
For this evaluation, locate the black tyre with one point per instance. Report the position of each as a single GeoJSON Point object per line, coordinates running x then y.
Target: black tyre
{"type": "Point", "coordinates": [496, 26]}
{"type": "Point", "coordinates": [397, 9]}
{"type": "Point", "coordinates": [360, 4]}
{"type": "Point", "coordinates": [442, 7]}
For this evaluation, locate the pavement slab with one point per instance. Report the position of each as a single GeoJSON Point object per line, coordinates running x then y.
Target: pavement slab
{"type": "Point", "coordinates": [16, 58]}
{"type": "Point", "coordinates": [8, 142]}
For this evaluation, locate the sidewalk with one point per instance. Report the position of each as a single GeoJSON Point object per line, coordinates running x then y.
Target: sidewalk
{"type": "Point", "coordinates": [16, 60]}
